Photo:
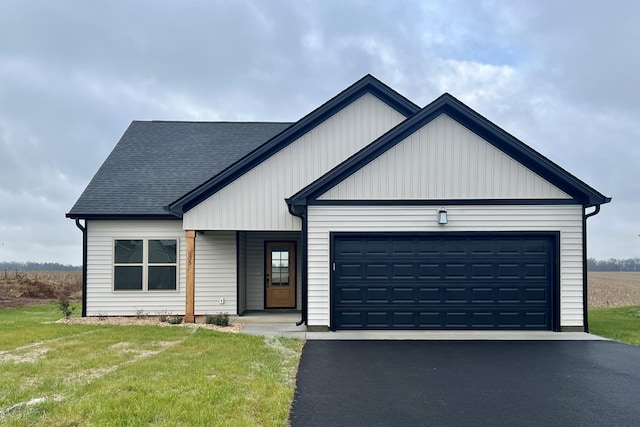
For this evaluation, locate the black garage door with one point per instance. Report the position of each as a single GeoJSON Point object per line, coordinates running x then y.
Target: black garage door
{"type": "Point", "coordinates": [443, 281]}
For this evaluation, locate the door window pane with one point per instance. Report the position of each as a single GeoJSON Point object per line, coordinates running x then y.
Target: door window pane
{"type": "Point", "coordinates": [280, 266]}
{"type": "Point", "coordinates": [128, 278]}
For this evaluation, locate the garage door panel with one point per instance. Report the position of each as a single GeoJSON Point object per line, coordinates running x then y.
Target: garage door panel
{"type": "Point", "coordinates": [430, 271]}
{"type": "Point", "coordinates": [403, 247]}
{"type": "Point", "coordinates": [452, 271]}
{"type": "Point", "coordinates": [373, 295]}
{"type": "Point", "coordinates": [483, 294]}
{"type": "Point", "coordinates": [535, 247]}
{"type": "Point", "coordinates": [378, 318]}
{"type": "Point", "coordinates": [429, 319]}
{"type": "Point", "coordinates": [429, 294]}
{"type": "Point", "coordinates": [536, 271]}
{"type": "Point", "coordinates": [459, 282]}
{"type": "Point", "coordinates": [444, 318]}
{"type": "Point", "coordinates": [537, 319]}
{"type": "Point", "coordinates": [349, 271]}
{"type": "Point", "coordinates": [455, 247]}
{"type": "Point", "coordinates": [429, 247]}
{"type": "Point", "coordinates": [507, 247]}
{"type": "Point", "coordinates": [455, 294]}
{"type": "Point", "coordinates": [403, 295]}
{"type": "Point", "coordinates": [404, 319]}
{"type": "Point", "coordinates": [483, 271]}
{"type": "Point", "coordinates": [350, 247]}
{"type": "Point", "coordinates": [376, 247]}
{"type": "Point", "coordinates": [351, 319]}
{"type": "Point", "coordinates": [442, 269]}
{"type": "Point", "coordinates": [392, 292]}
{"type": "Point", "coordinates": [404, 271]}
{"type": "Point", "coordinates": [349, 294]}
{"type": "Point", "coordinates": [536, 295]}
{"type": "Point", "coordinates": [508, 294]}
{"type": "Point", "coordinates": [508, 271]}
{"type": "Point", "coordinates": [481, 247]}
{"type": "Point", "coordinates": [376, 271]}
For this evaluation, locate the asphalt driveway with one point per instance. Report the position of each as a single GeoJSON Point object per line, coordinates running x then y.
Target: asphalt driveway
{"type": "Point", "coordinates": [467, 383]}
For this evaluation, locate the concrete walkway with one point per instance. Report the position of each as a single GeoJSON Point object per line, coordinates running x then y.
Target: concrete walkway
{"type": "Point", "coordinates": [269, 329]}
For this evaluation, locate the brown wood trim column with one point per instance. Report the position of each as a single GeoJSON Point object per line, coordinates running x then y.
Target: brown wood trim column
{"type": "Point", "coordinates": [189, 316]}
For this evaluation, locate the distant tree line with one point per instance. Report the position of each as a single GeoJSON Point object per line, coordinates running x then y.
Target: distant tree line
{"type": "Point", "coordinates": [36, 266]}
{"type": "Point", "coordinates": [631, 264]}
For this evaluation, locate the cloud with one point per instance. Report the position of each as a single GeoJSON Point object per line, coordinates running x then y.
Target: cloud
{"type": "Point", "coordinates": [73, 75]}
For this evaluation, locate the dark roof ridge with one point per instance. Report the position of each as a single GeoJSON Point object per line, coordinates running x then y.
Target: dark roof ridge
{"type": "Point", "coordinates": [217, 121]}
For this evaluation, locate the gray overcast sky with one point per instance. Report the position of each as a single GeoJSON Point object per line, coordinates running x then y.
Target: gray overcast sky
{"type": "Point", "coordinates": [562, 76]}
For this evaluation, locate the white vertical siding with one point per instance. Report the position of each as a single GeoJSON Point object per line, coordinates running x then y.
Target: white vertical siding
{"type": "Point", "coordinates": [256, 268]}
{"type": "Point", "coordinates": [567, 219]}
{"type": "Point", "coordinates": [101, 298]}
{"type": "Point", "coordinates": [444, 160]}
{"type": "Point", "coordinates": [255, 201]}
{"type": "Point", "coordinates": [216, 273]}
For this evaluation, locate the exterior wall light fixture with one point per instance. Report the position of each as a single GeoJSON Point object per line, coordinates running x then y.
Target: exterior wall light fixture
{"type": "Point", "coordinates": [442, 216]}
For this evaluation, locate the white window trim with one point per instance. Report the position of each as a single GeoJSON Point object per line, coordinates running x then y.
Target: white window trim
{"type": "Point", "coordinates": [145, 265]}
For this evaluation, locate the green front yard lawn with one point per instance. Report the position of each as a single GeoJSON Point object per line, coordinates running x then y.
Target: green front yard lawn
{"type": "Point", "coordinates": [619, 323]}
{"type": "Point", "coordinates": [62, 374]}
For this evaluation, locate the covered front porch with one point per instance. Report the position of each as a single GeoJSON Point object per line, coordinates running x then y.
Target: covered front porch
{"type": "Point", "coordinates": [242, 273]}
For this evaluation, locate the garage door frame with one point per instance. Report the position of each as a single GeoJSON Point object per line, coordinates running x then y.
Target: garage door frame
{"type": "Point", "coordinates": [554, 236]}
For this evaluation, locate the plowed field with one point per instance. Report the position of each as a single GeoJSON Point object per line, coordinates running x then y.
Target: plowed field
{"type": "Point", "coordinates": [19, 288]}
{"type": "Point", "coordinates": [613, 289]}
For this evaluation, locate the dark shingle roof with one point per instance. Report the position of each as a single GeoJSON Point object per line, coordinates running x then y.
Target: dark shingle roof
{"type": "Point", "coordinates": [155, 163]}
{"type": "Point", "coordinates": [367, 84]}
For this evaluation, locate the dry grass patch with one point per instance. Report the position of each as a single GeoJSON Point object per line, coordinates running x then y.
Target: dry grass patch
{"type": "Point", "coordinates": [613, 289]}
{"type": "Point", "coordinates": [19, 288]}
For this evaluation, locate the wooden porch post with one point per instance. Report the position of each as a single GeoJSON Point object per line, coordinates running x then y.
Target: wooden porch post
{"type": "Point", "coordinates": [189, 316]}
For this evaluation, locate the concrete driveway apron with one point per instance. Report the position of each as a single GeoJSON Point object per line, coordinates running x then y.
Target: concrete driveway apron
{"type": "Point", "coordinates": [467, 383]}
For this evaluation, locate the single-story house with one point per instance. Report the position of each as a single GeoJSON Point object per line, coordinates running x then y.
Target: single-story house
{"type": "Point", "coordinates": [367, 213]}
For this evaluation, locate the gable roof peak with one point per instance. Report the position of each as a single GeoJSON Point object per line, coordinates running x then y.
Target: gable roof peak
{"type": "Point", "coordinates": [367, 84]}
{"type": "Point", "coordinates": [475, 122]}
